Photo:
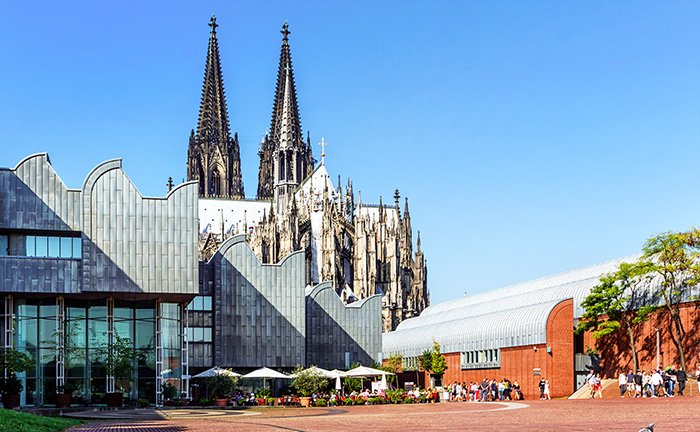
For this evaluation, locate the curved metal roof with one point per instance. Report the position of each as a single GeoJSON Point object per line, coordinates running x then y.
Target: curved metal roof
{"type": "Point", "coordinates": [511, 316]}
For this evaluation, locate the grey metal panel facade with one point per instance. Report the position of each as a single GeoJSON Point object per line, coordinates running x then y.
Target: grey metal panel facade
{"type": "Point", "coordinates": [39, 275]}
{"type": "Point", "coordinates": [129, 243]}
{"type": "Point", "coordinates": [32, 196]}
{"type": "Point", "coordinates": [139, 244]}
{"type": "Point", "coordinates": [260, 310]}
{"type": "Point", "coordinates": [334, 328]}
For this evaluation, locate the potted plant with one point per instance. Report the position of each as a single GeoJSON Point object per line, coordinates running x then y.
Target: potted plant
{"type": "Point", "coordinates": [120, 365]}
{"type": "Point", "coordinates": [307, 382]}
{"type": "Point", "coordinates": [169, 392]}
{"type": "Point", "coordinates": [221, 387]}
{"type": "Point", "coordinates": [13, 361]}
{"type": "Point", "coordinates": [64, 394]}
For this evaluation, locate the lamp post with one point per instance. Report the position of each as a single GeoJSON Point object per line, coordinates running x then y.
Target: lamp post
{"type": "Point", "coordinates": [658, 347]}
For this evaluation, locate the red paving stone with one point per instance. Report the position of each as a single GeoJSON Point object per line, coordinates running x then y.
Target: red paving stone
{"type": "Point", "coordinates": [677, 415]}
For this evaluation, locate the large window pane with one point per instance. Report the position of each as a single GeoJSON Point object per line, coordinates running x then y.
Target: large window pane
{"type": "Point", "coordinates": [42, 246]}
{"type": "Point", "coordinates": [31, 246]}
{"type": "Point", "coordinates": [54, 247]}
{"type": "Point", "coordinates": [77, 248]}
{"type": "Point", "coordinates": [66, 247]}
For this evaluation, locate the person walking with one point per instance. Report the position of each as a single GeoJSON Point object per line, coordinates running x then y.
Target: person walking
{"type": "Point", "coordinates": [542, 386]}
{"type": "Point", "coordinates": [598, 386]}
{"type": "Point", "coordinates": [622, 382]}
{"type": "Point", "coordinates": [681, 378]}
{"type": "Point", "coordinates": [590, 379]}
{"type": "Point", "coordinates": [547, 394]}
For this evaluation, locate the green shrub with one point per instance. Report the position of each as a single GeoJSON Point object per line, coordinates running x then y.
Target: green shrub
{"type": "Point", "coordinates": [222, 386]}
{"type": "Point", "coordinates": [263, 393]}
{"type": "Point", "coordinates": [144, 403]}
{"type": "Point", "coordinates": [320, 402]}
{"type": "Point", "coordinates": [306, 381]}
{"type": "Point", "coordinates": [169, 391]}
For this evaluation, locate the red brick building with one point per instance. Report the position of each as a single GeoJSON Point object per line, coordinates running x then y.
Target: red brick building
{"type": "Point", "coordinates": [524, 332]}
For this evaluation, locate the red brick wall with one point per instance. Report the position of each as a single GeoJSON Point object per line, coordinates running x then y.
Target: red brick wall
{"type": "Point", "coordinates": [517, 363]}
{"type": "Point", "coordinates": [614, 350]}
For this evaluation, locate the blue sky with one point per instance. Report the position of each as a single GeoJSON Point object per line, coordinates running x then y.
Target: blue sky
{"type": "Point", "coordinates": [530, 137]}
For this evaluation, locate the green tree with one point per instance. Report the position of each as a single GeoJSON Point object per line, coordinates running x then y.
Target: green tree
{"type": "Point", "coordinates": [121, 359]}
{"type": "Point", "coordinates": [13, 361]}
{"type": "Point", "coordinates": [438, 365]}
{"type": "Point", "coordinates": [425, 361]}
{"type": "Point", "coordinates": [393, 364]}
{"type": "Point", "coordinates": [222, 386]}
{"type": "Point", "coordinates": [675, 260]}
{"type": "Point", "coordinates": [353, 384]}
{"type": "Point", "coordinates": [619, 303]}
{"type": "Point", "coordinates": [308, 381]}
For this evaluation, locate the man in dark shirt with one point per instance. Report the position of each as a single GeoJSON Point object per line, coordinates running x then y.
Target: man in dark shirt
{"type": "Point", "coordinates": [681, 377]}
{"type": "Point", "coordinates": [484, 390]}
{"type": "Point", "coordinates": [542, 384]}
{"type": "Point", "coordinates": [638, 379]}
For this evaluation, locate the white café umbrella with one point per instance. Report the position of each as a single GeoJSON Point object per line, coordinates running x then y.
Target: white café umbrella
{"type": "Point", "coordinates": [319, 371]}
{"type": "Point", "coordinates": [364, 372]}
{"type": "Point", "coordinates": [382, 385]}
{"type": "Point", "coordinates": [216, 371]}
{"type": "Point", "coordinates": [265, 373]}
{"type": "Point", "coordinates": [338, 374]}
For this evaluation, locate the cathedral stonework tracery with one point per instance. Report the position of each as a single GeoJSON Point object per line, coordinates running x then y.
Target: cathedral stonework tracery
{"type": "Point", "coordinates": [362, 249]}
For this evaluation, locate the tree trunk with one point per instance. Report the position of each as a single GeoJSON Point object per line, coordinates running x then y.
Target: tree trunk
{"type": "Point", "coordinates": [633, 348]}
{"type": "Point", "coordinates": [678, 335]}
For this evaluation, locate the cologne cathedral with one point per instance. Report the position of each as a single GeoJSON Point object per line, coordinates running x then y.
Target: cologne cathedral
{"type": "Point", "coordinates": [363, 249]}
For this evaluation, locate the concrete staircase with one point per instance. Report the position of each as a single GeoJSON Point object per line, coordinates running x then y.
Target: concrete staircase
{"type": "Point", "coordinates": [610, 389]}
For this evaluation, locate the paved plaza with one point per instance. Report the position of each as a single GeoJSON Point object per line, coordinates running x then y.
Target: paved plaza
{"type": "Point", "coordinates": [678, 414]}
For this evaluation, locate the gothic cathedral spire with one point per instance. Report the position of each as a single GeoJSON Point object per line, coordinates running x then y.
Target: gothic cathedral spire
{"type": "Point", "coordinates": [214, 157]}
{"type": "Point", "coordinates": [285, 158]}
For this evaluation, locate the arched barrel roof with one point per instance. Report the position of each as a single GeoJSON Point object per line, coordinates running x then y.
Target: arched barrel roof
{"type": "Point", "coordinates": [511, 316]}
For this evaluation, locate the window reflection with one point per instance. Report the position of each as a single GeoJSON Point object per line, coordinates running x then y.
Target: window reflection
{"type": "Point", "coordinates": [46, 247]}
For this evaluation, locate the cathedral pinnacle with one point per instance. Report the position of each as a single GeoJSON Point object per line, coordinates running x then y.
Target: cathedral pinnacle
{"type": "Point", "coordinates": [285, 30]}
{"type": "Point", "coordinates": [218, 175]}
{"type": "Point", "coordinates": [284, 153]}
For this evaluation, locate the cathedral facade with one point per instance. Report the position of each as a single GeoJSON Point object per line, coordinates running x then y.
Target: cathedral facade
{"type": "Point", "coordinates": [361, 249]}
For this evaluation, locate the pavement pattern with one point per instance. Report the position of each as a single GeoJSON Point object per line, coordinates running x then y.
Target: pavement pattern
{"type": "Point", "coordinates": [669, 414]}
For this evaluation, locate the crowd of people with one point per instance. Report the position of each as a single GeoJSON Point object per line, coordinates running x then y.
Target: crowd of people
{"type": "Point", "coordinates": [662, 382]}
{"type": "Point", "coordinates": [486, 390]}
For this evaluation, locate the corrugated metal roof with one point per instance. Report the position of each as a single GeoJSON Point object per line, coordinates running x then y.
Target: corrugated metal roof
{"type": "Point", "coordinates": [482, 330]}
{"type": "Point", "coordinates": [510, 316]}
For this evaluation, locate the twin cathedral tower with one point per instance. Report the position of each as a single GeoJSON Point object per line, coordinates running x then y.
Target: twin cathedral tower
{"type": "Point", "coordinates": [361, 249]}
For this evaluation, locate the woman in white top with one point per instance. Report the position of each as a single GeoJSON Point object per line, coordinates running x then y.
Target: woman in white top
{"type": "Point", "coordinates": [547, 395]}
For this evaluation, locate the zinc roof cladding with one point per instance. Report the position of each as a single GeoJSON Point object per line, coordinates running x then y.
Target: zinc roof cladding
{"type": "Point", "coordinates": [510, 316]}
{"type": "Point", "coordinates": [559, 284]}
{"type": "Point", "coordinates": [526, 325]}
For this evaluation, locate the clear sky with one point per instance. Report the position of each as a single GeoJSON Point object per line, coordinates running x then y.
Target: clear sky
{"type": "Point", "coordinates": [530, 137]}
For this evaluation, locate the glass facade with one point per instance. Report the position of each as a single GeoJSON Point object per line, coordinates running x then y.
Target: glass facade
{"type": "Point", "coordinates": [171, 335]}
{"type": "Point", "coordinates": [86, 336]}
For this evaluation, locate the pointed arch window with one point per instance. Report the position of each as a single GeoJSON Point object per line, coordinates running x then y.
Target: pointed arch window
{"type": "Point", "coordinates": [215, 189]}
{"type": "Point", "coordinates": [202, 187]}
